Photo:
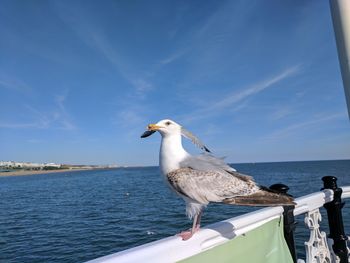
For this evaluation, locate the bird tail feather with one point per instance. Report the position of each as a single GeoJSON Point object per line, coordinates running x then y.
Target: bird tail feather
{"type": "Point", "coordinates": [263, 197]}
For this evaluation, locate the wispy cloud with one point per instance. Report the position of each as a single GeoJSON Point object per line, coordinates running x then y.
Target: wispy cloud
{"type": "Point", "coordinates": [93, 36]}
{"type": "Point", "coordinates": [142, 87]}
{"type": "Point", "coordinates": [14, 125]}
{"type": "Point", "coordinates": [236, 99]}
{"type": "Point", "coordinates": [300, 127]}
{"type": "Point", "coordinates": [61, 115]}
{"type": "Point", "coordinates": [281, 112]}
{"type": "Point", "coordinates": [128, 117]}
{"type": "Point", "coordinates": [14, 84]}
{"type": "Point", "coordinates": [173, 57]}
{"type": "Point", "coordinates": [130, 122]}
{"type": "Point", "coordinates": [56, 118]}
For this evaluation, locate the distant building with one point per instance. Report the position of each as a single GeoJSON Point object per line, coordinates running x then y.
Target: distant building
{"type": "Point", "coordinates": [28, 165]}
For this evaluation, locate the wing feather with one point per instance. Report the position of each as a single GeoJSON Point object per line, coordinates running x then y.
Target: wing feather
{"type": "Point", "coordinates": [206, 162]}
{"type": "Point", "coordinates": [209, 186]}
{"type": "Point", "coordinates": [189, 135]}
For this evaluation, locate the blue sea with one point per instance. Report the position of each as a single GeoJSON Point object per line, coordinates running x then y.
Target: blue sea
{"type": "Point", "coordinates": [78, 216]}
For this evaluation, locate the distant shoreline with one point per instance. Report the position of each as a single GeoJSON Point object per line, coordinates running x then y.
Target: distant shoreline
{"type": "Point", "coordinates": [33, 172]}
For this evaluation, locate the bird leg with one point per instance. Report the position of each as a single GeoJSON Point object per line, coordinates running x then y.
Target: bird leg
{"type": "Point", "coordinates": [185, 235]}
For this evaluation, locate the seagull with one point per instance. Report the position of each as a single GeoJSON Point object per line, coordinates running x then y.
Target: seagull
{"type": "Point", "coordinates": [205, 178]}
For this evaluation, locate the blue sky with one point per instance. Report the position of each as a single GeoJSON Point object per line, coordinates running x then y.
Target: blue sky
{"type": "Point", "coordinates": [255, 80]}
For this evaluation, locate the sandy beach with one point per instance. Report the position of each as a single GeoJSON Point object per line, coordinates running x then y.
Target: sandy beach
{"type": "Point", "coordinates": [31, 172]}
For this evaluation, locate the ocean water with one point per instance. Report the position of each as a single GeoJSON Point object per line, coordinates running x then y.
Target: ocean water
{"type": "Point", "coordinates": [78, 216]}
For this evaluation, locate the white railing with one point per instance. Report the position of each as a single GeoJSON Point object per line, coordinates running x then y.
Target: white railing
{"type": "Point", "coordinates": [318, 247]}
{"type": "Point", "coordinates": [173, 249]}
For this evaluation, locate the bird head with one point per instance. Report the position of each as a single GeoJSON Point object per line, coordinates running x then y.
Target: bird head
{"type": "Point", "coordinates": [168, 127]}
{"type": "Point", "coordinates": [164, 127]}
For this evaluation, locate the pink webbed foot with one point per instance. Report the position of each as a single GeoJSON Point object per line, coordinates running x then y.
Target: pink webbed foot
{"type": "Point", "coordinates": [185, 235]}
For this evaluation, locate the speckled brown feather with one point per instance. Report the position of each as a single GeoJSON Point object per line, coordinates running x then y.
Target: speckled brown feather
{"type": "Point", "coordinates": [227, 187]}
{"type": "Point", "coordinates": [210, 186]}
{"type": "Point", "coordinates": [262, 198]}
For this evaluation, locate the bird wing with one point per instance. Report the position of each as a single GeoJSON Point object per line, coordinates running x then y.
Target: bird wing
{"type": "Point", "coordinates": [208, 162]}
{"type": "Point", "coordinates": [230, 188]}
{"type": "Point", "coordinates": [210, 186]}
{"type": "Point", "coordinates": [194, 139]}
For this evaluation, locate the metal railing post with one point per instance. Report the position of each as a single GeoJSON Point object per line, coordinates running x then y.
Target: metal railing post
{"type": "Point", "coordinates": [289, 223]}
{"type": "Point", "coordinates": [335, 219]}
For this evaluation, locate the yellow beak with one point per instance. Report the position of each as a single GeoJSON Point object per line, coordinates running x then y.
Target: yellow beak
{"type": "Point", "coordinates": [153, 127]}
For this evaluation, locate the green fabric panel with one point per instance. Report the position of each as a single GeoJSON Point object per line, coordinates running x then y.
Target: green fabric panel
{"type": "Point", "coordinates": [266, 244]}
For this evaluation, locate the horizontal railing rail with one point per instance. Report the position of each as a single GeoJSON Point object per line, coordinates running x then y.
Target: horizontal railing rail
{"type": "Point", "coordinates": [173, 249]}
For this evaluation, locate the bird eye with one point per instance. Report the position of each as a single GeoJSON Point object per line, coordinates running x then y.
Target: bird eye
{"type": "Point", "coordinates": [168, 123]}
